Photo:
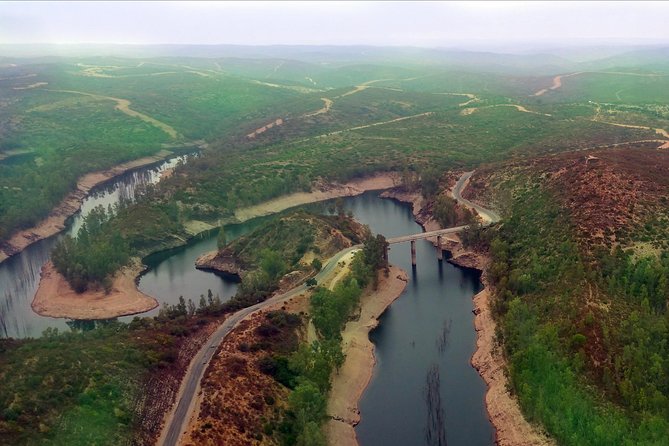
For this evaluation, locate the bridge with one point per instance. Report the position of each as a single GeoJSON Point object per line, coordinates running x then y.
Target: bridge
{"type": "Point", "coordinates": [421, 236]}
{"type": "Point", "coordinates": [424, 235]}
{"type": "Point", "coordinates": [488, 216]}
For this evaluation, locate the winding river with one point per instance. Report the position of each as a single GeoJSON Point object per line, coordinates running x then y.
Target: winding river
{"type": "Point", "coordinates": [427, 332]}
{"type": "Point", "coordinates": [423, 388]}
{"type": "Point", "coordinates": [20, 274]}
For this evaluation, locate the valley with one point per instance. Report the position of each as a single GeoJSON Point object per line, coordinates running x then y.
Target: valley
{"type": "Point", "coordinates": [240, 245]}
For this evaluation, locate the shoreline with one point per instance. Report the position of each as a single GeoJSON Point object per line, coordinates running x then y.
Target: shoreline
{"type": "Point", "coordinates": [351, 380]}
{"type": "Point", "coordinates": [55, 222]}
{"type": "Point", "coordinates": [328, 191]}
{"type": "Point", "coordinates": [511, 427]}
{"type": "Point", "coordinates": [76, 307]}
{"type": "Point", "coordinates": [55, 298]}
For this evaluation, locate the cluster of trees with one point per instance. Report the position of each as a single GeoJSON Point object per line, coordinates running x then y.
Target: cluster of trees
{"type": "Point", "coordinates": [307, 371]}
{"type": "Point", "coordinates": [94, 255]}
{"type": "Point", "coordinates": [314, 364]}
{"type": "Point", "coordinates": [447, 214]}
{"type": "Point", "coordinates": [638, 279]}
{"type": "Point", "coordinates": [27, 195]}
{"type": "Point", "coordinates": [476, 235]}
{"type": "Point", "coordinates": [559, 347]}
{"type": "Point", "coordinates": [81, 387]}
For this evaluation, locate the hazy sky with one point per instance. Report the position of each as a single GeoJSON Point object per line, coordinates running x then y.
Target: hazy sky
{"type": "Point", "coordinates": [438, 24]}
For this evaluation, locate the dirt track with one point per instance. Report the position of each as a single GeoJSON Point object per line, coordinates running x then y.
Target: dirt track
{"type": "Point", "coordinates": [557, 83]}
{"type": "Point", "coordinates": [123, 105]}
{"type": "Point", "coordinates": [520, 108]}
{"type": "Point", "coordinates": [660, 132]}
{"type": "Point", "coordinates": [557, 80]}
{"type": "Point", "coordinates": [470, 96]}
{"type": "Point", "coordinates": [327, 105]}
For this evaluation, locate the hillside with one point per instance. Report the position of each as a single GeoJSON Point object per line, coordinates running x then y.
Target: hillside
{"type": "Point", "coordinates": [291, 243]}
{"type": "Point", "coordinates": [580, 267]}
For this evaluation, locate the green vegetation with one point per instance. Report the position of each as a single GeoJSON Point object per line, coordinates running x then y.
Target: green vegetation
{"type": "Point", "coordinates": [552, 333]}
{"type": "Point", "coordinates": [445, 211]}
{"type": "Point", "coordinates": [64, 139]}
{"type": "Point", "coordinates": [83, 387]}
{"type": "Point", "coordinates": [593, 370]}
{"type": "Point", "coordinates": [308, 370]}
{"type": "Point", "coordinates": [68, 134]}
{"type": "Point", "coordinates": [94, 256]}
{"type": "Point", "coordinates": [211, 187]}
{"type": "Point", "coordinates": [291, 237]}
{"type": "Point", "coordinates": [614, 86]}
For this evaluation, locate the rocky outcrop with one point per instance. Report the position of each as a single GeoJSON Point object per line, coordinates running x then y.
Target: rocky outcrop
{"type": "Point", "coordinates": [468, 260]}
{"type": "Point", "coordinates": [221, 263]}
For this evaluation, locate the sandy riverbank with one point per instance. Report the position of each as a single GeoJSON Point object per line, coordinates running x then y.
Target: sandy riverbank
{"type": "Point", "coordinates": [55, 297]}
{"type": "Point", "coordinates": [354, 376]}
{"type": "Point", "coordinates": [511, 427]}
{"type": "Point", "coordinates": [77, 308]}
{"type": "Point", "coordinates": [55, 222]}
{"type": "Point", "coordinates": [326, 192]}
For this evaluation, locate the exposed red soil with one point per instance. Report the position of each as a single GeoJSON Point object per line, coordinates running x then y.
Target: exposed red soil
{"type": "Point", "coordinates": [264, 128]}
{"type": "Point", "coordinates": [237, 399]}
{"type": "Point", "coordinates": [604, 191]}
{"type": "Point", "coordinates": [160, 390]}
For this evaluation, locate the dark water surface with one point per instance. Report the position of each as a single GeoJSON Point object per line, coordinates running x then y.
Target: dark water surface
{"type": "Point", "coordinates": [429, 327]}
{"type": "Point", "coordinates": [20, 274]}
{"type": "Point", "coordinates": [427, 335]}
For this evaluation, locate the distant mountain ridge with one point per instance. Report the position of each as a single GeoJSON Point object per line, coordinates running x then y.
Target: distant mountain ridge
{"type": "Point", "coordinates": [538, 62]}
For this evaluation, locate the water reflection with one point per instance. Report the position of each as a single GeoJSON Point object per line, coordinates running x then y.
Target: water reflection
{"type": "Point", "coordinates": [19, 275]}
{"type": "Point", "coordinates": [412, 343]}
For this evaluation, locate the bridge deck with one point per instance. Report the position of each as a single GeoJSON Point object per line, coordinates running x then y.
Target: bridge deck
{"type": "Point", "coordinates": [424, 235]}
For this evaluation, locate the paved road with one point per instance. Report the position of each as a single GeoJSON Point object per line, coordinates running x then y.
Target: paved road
{"type": "Point", "coordinates": [423, 235]}
{"type": "Point", "coordinates": [488, 215]}
{"type": "Point", "coordinates": [176, 423]}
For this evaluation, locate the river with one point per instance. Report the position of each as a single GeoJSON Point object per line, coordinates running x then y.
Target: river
{"type": "Point", "coordinates": [429, 328]}
{"type": "Point", "coordinates": [20, 274]}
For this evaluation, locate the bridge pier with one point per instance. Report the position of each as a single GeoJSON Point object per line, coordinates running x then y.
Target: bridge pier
{"type": "Point", "coordinates": [440, 252]}
{"type": "Point", "coordinates": [413, 252]}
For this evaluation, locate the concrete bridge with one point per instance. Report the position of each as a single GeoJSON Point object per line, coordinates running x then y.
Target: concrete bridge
{"type": "Point", "coordinates": [421, 236]}
{"type": "Point", "coordinates": [487, 216]}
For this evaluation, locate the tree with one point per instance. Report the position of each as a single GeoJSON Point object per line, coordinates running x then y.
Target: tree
{"type": "Point", "coordinates": [311, 435]}
{"type": "Point", "coordinates": [221, 240]}
{"type": "Point", "coordinates": [308, 403]}
{"type": "Point", "coordinates": [429, 181]}
{"type": "Point", "coordinates": [339, 207]}
{"type": "Point", "coordinates": [316, 264]}
{"type": "Point", "coordinates": [373, 251]}
{"type": "Point", "coordinates": [408, 179]}
{"type": "Point", "coordinates": [445, 211]}
{"type": "Point", "coordinates": [272, 263]}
